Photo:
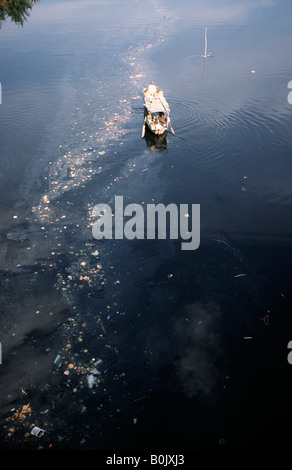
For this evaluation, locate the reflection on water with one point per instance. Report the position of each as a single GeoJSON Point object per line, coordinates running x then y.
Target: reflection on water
{"type": "Point", "coordinates": [18, 11]}
{"type": "Point", "coordinates": [156, 143]}
{"type": "Point", "coordinates": [200, 348]}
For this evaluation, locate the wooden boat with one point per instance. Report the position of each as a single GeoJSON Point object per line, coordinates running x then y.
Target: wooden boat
{"type": "Point", "coordinates": [156, 111]}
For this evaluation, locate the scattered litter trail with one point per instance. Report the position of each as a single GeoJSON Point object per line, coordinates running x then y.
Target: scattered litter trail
{"type": "Point", "coordinates": [92, 156]}
{"type": "Point", "coordinates": [87, 168]}
{"type": "Point", "coordinates": [100, 127]}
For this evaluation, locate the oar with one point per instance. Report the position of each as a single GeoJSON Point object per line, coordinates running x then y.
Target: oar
{"type": "Point", "coordinates": [143, 128]}
{"type": "Point", "coordinates": [168, 116]}
{"type": "Point", "coordinates": [171, 127]}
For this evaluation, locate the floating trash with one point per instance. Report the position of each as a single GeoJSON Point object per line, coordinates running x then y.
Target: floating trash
{"type": "Point", "coordinates": [58, 361]}
{"type": "Point", "coordinates": [91, 380]}
{"type": "Point", "coordinates": [98, 361]}
{"type": "Point", "coordinates": [38, 432]}
{"type": "Point", "coordinates": [21, 414]}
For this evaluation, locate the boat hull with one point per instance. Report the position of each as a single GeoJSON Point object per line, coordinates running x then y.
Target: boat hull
{"type": "Point", "coordinates": [156, 143]}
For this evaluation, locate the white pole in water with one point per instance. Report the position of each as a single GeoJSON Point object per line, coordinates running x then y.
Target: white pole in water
{"type": "Point", "coordinates": [205, 55]}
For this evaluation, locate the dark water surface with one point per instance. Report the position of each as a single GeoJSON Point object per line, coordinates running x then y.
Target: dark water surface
{"type": "Point", "coordinates": [160, 348]}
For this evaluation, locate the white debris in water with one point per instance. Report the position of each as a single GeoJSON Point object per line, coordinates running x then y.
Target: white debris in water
{"type": "Point", "coordinates": [91, 380]}
{"type": "Point", "coordinates": [98, 361]}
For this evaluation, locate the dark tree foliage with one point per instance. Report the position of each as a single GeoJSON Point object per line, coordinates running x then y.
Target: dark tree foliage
{"type": "Point", "coordinates": [16, 10]}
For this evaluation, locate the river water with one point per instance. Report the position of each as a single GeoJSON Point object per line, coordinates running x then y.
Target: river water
{"type": "Point", "coordinates": [138, 344]}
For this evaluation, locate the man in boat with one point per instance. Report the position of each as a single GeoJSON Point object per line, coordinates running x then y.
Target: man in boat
{"type": "Point", "coordinates": [162, 118]}
{"type": "Point", "coordinates": [152, 88]}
